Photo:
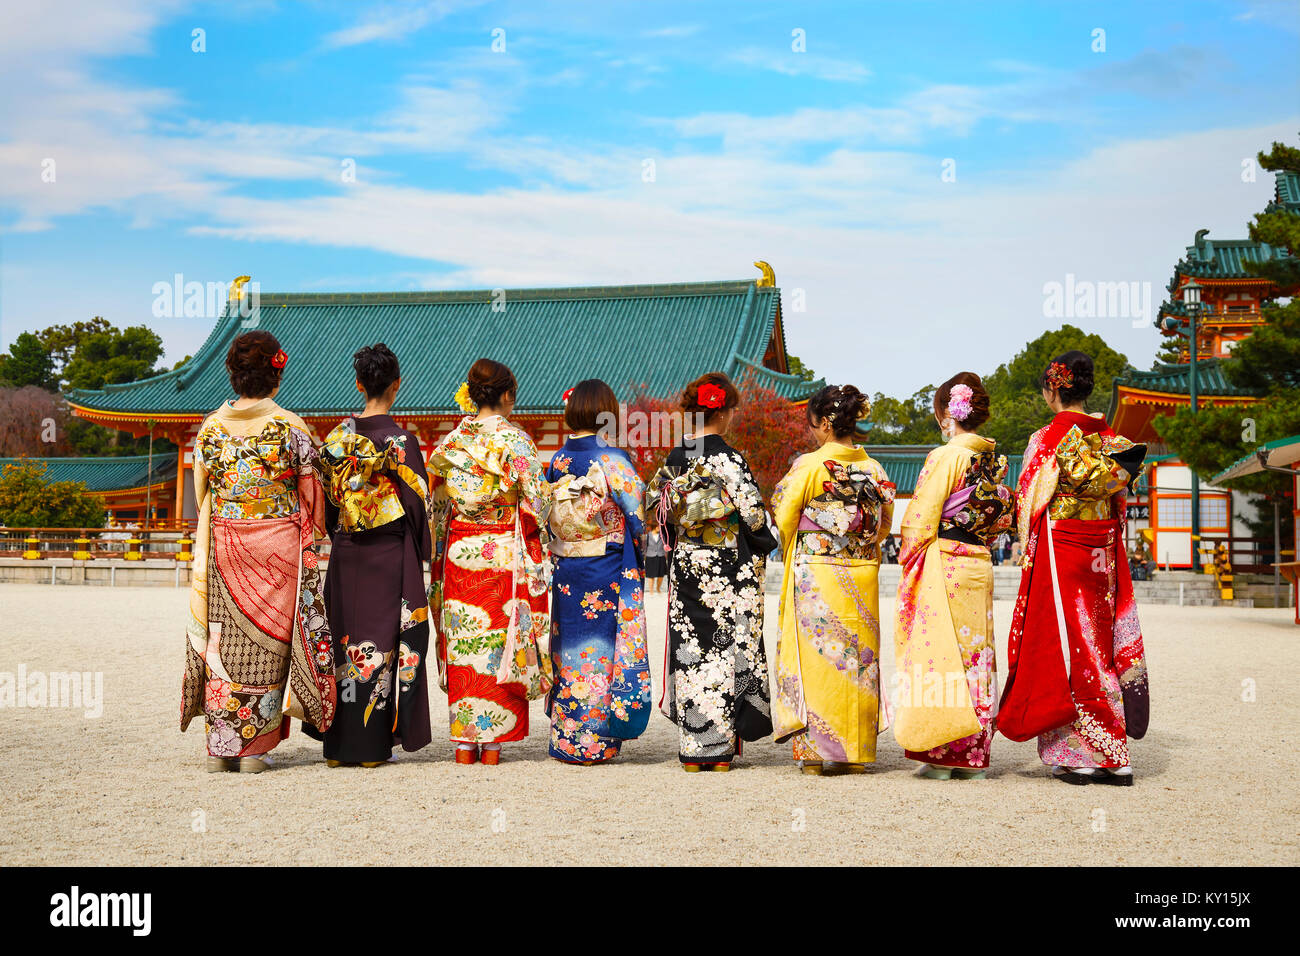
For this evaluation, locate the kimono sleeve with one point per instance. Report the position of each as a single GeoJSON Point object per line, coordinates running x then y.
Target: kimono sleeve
{"type": "Point", "coordinates": [439, 507]}
{"type": "Point", "coordinates": [413, 459]}
{"type": "Point", "coordinates": [1036, 487]}
{"type": "Point", "coordinates": [881, 478]}
{"type": "Point", "coordinates": [534, 504]}
{"type": "Point", "coordinates": [749, 504]}
{"type": "Point", "coordinates": [311, 493]}
{"type": "Point", "coordinates": [628, 490]}
{"type": "Point", "coordinates": [200, 474]}
{"type": "Point", "coordinates": [789, 500]}
{"type": "Point", "coordinates": [920, 525]}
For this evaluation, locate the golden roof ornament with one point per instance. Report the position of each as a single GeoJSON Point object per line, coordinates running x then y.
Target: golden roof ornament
{"type": "Point", "coordinates": [768, 279]}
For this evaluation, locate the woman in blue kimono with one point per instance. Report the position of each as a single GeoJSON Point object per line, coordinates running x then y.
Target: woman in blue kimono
{"type": "Point", "coordinates": [601, 694]}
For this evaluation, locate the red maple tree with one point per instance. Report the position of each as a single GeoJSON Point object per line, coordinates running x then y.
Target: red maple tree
{"type": "Point", "coordinates": [770, 431]}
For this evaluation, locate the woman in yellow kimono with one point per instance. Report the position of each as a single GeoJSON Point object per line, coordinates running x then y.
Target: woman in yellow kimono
{"type": "Point", "coordinates": [833, 509]}
{"type": "Point", "coordinates": [943, 631]}
{"type": "Point", "coordinates": [491, 576]}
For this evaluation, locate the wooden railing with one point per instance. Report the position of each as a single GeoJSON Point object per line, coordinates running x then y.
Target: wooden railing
{"type": "Point", "coordinates": [172, 540]}
{"type": "Point", "coordinates": [88, 544]}
{"type": "Point", "coordinates": [1248, 555]}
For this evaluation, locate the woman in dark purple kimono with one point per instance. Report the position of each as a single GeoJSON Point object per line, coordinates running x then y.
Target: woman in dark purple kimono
{"type": "Point", "coordinates": [376, 590]}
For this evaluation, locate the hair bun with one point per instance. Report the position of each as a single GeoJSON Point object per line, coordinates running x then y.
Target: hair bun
{"type": "Point", "coordinates": [489, 381]}
{"type": "Point", "coordinates": [844, 405]}
{"type": "Point", "coordinates": [712, 383]}
{"type": "Point", "coordinates": [1081, 376]}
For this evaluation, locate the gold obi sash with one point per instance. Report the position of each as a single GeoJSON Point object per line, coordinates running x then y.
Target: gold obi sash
{"type": "Point", "coordinates": [1089, 476]}
{"type": "Point", "coordinates": [353, 470]}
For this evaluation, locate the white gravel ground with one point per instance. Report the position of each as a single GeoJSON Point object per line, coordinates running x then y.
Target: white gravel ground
{"type": "Point", "coordinates": [1215, 778]}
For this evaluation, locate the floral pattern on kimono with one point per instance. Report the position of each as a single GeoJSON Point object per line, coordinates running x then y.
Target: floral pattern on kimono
{"type": "Point", "coordinates": [258, 644]}
{"type": "Point", "coordinates": [943, 631]}
{"type": "Point", "coordinates": [601, 694]}
{"type": "Point", "coordinates": [715, 685]}
{"type": "Point", "coordinates": [832, 509]}
{"type": "Point", "coordinates": [1077, 667]}
{"type": "Point", "coordinates": [376, 591]}
{"type": "Point", "coordinates": [491, 577]}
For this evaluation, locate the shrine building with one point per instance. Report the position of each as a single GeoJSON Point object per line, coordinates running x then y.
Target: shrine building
{"type": "Point", "coordinates": [1212, 280]}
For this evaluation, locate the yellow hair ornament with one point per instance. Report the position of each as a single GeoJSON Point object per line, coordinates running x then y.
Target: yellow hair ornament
{"type": "Point", "coordinates": [464, 401]}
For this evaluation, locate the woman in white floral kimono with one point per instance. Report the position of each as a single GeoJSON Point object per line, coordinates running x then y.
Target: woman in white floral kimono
{"type": "Point", "coordinates": [715, 527]}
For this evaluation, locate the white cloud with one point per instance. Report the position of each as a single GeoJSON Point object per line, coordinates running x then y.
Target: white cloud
{"type": "Point", "coordinates": [904, 275]}
{"type": "Point", "coordinates": [790, 63]}
{"type": "Point", "coordinates": [392, 22]}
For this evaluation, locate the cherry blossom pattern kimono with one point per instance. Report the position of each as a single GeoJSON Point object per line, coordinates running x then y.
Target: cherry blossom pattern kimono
{"type": "Point", "coordinates": [1077, 669]}
{"type": "Point", "coordinates": [601, 694]}
{"type": "Point", "coordinates": [715, 683]}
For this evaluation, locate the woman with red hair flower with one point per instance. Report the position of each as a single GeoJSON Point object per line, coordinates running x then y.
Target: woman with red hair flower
{"type": "Point", "coordinates": [715, 528]}
{"type": "Point", "coordinates": [255, 633]}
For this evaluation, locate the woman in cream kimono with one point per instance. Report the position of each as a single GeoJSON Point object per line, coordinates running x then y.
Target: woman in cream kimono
{"type": "Point", "coordinates": [491, 575]}
{"type": "Point", "coordinates": [943, 631]}
{"type": "Point", "coordinates": [832, 509]}
{"type": "Point", "coordinates": [258, 643]}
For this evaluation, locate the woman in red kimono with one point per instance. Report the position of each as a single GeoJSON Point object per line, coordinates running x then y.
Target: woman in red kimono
{"type": "Point", "coordinates": [491, 576]}
{"type": "Point", "coordinates": [1078, 679]}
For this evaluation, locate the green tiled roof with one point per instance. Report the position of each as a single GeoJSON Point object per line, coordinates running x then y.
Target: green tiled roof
{"type": "Point", "coordinates": [1286, 190]}
{"type": "Point", "coordinates": [1278, 454]}
{"type": "Point", "coordinates": [1224, 258]}
{"type": "Point", "coordinates": [1175, 379]}
{"type": "Point", "coordinates": [903, 464]}
{"type": "Point", "coordinates": [104, 474]}
{"type": "Point", "coordinates": [659, 336]}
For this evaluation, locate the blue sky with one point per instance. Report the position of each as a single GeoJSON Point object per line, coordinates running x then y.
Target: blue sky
{"type": "Point", "coordinates": [478, 168]}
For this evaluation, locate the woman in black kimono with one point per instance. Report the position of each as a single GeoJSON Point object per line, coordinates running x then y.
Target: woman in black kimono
{"type": "Point", "coordinates": [715, 529]}
{"type": "Point", "coordinates": [376, 590]}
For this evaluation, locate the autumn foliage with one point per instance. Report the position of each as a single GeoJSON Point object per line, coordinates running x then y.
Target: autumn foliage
{"type": "Point", "coordinates": [770, 431]}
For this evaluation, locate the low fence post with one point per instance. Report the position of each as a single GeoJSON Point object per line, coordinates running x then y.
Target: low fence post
{"type": "Point", "coordinates": [33, 551]}
{"type": "Point", "coordinates": [133, 549]}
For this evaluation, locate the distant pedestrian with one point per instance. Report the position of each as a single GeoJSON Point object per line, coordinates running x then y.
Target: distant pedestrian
{"type": "Point", "coordinates": [656, 567]}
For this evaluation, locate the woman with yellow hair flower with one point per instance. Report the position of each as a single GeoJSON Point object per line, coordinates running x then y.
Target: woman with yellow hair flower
{"type": "Point", "coordinates": [490, 569]}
